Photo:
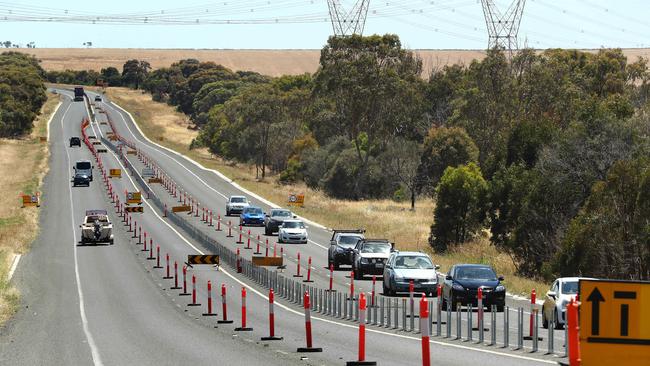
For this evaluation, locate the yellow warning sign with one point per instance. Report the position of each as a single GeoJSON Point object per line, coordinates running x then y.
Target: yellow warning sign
{"type": "Point", "coordinates": [296, 199]}
{"type": "Point", "coordinates": [133, 198]}
{"type": "Point", "coordinates": [267, 261]}
{"type": "Point", "coordinates": [116, 173]}
{"type": "Point", "coordinates": [31, 200]}
{"type": "Point", "coordinates": [614, 322]}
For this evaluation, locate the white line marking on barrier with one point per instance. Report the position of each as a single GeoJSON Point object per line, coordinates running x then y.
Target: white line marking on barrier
{"type": "Point", "coordinates": [82, 310]}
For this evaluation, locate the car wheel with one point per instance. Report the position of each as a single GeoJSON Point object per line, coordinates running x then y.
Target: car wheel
{"type": "Point", "coordinates": [500, 308]}
{"type": "Point", "coordinates": [336, 264]}
{"type": "Point", "coordinates": [358, 275]}
{"type": "Point", "coordinates": [444, 304]}
{"type": "Point", "coordinates": [556, 320]}
{"type": "Point", "coordinates": [386, 290]}
{"type": "Point", "coordinates": [267, 232]}
{"type": "Point", "coordinates": [112, 241]}
{"type": "Point", "coordinates": [453, 304]}
{"type": "Point", "coordinates": [227, 212]}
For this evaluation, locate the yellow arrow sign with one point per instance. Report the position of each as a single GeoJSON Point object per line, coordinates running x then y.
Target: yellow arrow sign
{"type": "Point", "coordinates": [614, 322]}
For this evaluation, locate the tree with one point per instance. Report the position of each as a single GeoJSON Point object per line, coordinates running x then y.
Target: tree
{"type": "Point", "coordinates": [459, 210]}
{"type": "Point", "coordinates": [610, 237]}
{"type": "Point", "coordinates": [373, 88]}
{"type": "Point", "coordinates": [444, 147]}
{"type": "Point", "coordinates": [134, 72]}
{"type": "Point", "coordinates": [7, 44]}
{"type": "Point", "coordinates": [111, 75]}
{"type": "Point", "coordinates": [402, 158]}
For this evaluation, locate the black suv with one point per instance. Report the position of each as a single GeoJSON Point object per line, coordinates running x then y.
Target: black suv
{"type": "Point", "coordinates": [75, 141]}
{"type": "Point", "coordinates": [369, 257]}
{"type": "Point", "coordinates": [274, 220]}
{"type": "Point", "coordinates": [341, 246]}
{"type": "Point", "coordinates": [463, 281]}
{"type": "Point", "coordinates": [83, 173]}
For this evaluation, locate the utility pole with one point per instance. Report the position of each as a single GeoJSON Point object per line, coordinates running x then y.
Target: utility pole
{"type": "Point", "coordinates": [348, 23]}
{"type": "Point", "coordinates": [503, 28]}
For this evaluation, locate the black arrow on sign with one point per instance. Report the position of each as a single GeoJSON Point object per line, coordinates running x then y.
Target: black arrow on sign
{"type": "Point", "coordinates": [595, 298]}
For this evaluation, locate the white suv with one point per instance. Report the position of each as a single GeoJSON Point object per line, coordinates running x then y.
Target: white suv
{"type": "Point", "coordinates": [236, 205]}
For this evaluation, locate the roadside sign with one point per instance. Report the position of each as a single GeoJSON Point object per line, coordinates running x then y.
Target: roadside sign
{"type": "Point", "coordinates": [133, 198]}
{"type": "Point", "coordinates": [155, 180]}
{"type": "Point", "coordinates": [130, 152]}
{"type": "Point", "coordinates": [91, 137]}
{"type": "Point", "coordinates": [296, 199]}
{"type": "Point", "coordinates": [116, 173]}
{"type": "Point", "coordinates": [267, 261]}
{"type": "Point", "coordinates": [102, 150]}
{"type": "Point", "coordinates": [112, 137]}
{"type": "Point", "coordinates": [97, 143]}
{"type": "Point", "coordinates": [42, 139]}
{"type": "Point", "coordinates": [614, 322]}
{"type": "Point", "coordinates": [31, 200]}
{"type": "Point", "coordinates": [182, 208]}
{"type": "Point", "coordinates": [148, 172]}
{"type": "Point", "coordinates": [134, 209]}
{"type": "Point", "coordinates": [203, 259]}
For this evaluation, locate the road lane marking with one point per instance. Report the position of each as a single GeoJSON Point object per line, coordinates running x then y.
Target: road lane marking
{"type": "Point", "coordinates": [97, 361]}
{"type": "Point", "coordinates": [14, 265]}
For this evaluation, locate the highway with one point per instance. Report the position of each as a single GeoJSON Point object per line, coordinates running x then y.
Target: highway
{"type": "Point", "coordinates": [106, 304]}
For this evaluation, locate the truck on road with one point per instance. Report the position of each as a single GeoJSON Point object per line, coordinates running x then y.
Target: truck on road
{"type": "Point", "coordinates": [78, 94]}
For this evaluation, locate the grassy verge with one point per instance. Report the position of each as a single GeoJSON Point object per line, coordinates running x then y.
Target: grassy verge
{"type": "Point", "coordinates": [381, 218]}
{"type": "Point", "coordinates": [26, 159]}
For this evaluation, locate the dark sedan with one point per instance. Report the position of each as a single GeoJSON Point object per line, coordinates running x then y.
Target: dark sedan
{"type": "Point", "coordinates": [463, 281]}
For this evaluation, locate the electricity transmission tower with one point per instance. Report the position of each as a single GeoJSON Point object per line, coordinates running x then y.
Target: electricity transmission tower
{"type": "Point", "coordinates": [503, 28]}
{"type": "Point", "coordinates": [348, 23]}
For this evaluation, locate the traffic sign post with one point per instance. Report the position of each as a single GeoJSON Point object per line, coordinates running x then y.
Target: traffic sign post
{"type": "Point", "coordinates": [614, 322]}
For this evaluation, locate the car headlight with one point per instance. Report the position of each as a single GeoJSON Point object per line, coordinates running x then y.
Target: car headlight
{"type": "Point", "coordinates": [458, 287]}
{"type": "Point", "coordinates": [499, 288]}
{"type": "Point", "coordinates": [364, 260]}
{"type": "Point", "coordinates": [399, 278]}
{"type": "Point", "coordinates": [433, 280]}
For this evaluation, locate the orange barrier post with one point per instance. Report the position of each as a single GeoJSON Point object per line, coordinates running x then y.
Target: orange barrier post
{"type": "Point", "coordinates": [331, 277]}
{"type": "Point", "coordinates": [362, 335]}
{"type": "Point", "coordinates": [248, 240]}
{"type": "Point", "coordinates": [184, 293]}
{"type": "Point", "coordinates": [309, 348]}
{"type": "Point", "coordinates": [272, 336]}
{"type": "Point", "coordinates": [229, 229]}
{"type": "Point", "coordinates": [424, 329]}
{"type": "Point", "coordinates": [168, 277]}
{"type": "Point", "coordinates": [194, 303]}
{"type": "Point", "coordinates": [209, 313]}
{"type": "Point", "coordinates": [238, 262]}
{"type": "Point", "coordinates": [157, 257]}
{"type": "Point", "coordinates": [352, 285]}
{"type": "Point", "coordinates": [573, 333]}
{"type": "Point", "coordinates": [298, 267]}
{"type": "Point", "coordinates": [176, 287]}
{"type": "Point", "coordinates": [240, 241]}
{"type": "Point", "coordinates": [151, 257]}
{"type": "Point", "coordinates": [224, 308]}
{"type": "Point", "coordinates": [218, 222]}
{"type": "Point", "coordinates": [243, 327]}
{"type": "Point", "coordinates": [308, 271]}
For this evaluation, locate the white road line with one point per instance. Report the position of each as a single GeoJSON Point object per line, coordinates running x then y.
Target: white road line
{"type": "Point", "coordinates": [97, 361]}
{"type": "Point", "coordinates": [14, 265]}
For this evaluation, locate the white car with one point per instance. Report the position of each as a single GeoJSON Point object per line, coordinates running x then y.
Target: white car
{"type": "Point", "coordinates": [96, 228]}
{"type": "Point", "coordinates": [293, 231]}
{"type": "Point", "coordinates": [236, 205]}
{"type": "Point", "coordinates": [556, 300]}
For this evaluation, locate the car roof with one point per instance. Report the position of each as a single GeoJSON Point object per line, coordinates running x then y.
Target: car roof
{"type": "Point", "coordinates": [420, 254]}
{"type": "Point", "coordinates": [469, 265]}
{"type": "Point", "coordinates": [375, 241]}
{"type": "Point", "coordinates": [292, 220]}
{"type": "Point", "coordinates": [83, 161]}
{"type": "Point", "coordinates": [252, 207]}
{"type": "Point", "coordinates": [280, 210]}
{"type": "Point", "coordinates": [237, 196]}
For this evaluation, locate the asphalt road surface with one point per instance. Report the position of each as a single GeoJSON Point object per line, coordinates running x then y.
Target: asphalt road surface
{"type": "Point", "coordinates": [106, 304]}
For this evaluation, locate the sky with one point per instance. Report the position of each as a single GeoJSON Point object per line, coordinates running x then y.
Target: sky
{"type": "Point", "coordinates": [421, 24]}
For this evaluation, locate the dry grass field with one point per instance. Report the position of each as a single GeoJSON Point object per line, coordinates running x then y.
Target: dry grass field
{"type": "Point", "coordinates": [381, 218]}
{"type": "Point", "coordinates": [26, 159]}
{"type": "Point", "coordinates": [268, 62]}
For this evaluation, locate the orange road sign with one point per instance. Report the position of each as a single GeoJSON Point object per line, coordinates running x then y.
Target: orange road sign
{"type": "Point", "coordinates": [133, 198]}
{"type": "Point", "coordinates": [130, 152]}
{"type": "Point", "coordinates": [181, 208]}
{"type": "Point", "coordinates": [155, 180]}
{"type": "Point", "coordinates": [31, 200]}
{"type": "Point", "coordinates": [203, 259]}
{"type": "Point", "coordinates": [614, 322]}
{"type": "Point", "coordinates": [267, 261]}
{"type": "Point", "coordinates": [296, 199]}
{"type": "Point", "coordinates": [91, 137]}
{"type": "Point", "coordinates": [102, 150]}
{"type": "Point", "coordinates": [134, 209]}
{"type": "Point", "coordinates": [42, 139]}
{"type": "Point", "coordinates": [115, 173]}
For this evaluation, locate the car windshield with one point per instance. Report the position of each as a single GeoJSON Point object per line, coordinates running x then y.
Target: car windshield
{"type": "Point", "coordinates": [376, 248]}
{"type": "Point", "coordinates": [253, 210]}
{"type": "Point", "coordinates": [570, 287]}
{"type": "Point", "coordinates": [83, 165]}
{"type": "Point", "coordinates": [293, 225]}
{"type": "Point", "coordinates": [413, 262]}
{"type": "Point", "coordinates": [92, 219]}
{"type": "Point", "coordinates": [476, 273]}
{"type": "Point", "coordinates": [283, 213]}
{"type": "Point", "coordinates": [348, 241]}
{"type": "Point", "coordinates": [238, 199]}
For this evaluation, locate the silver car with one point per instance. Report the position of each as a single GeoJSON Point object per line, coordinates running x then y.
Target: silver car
{"type": "Point", "coordinates": [556, 300]}
{"type": "Point", "coordinates": [404, 267]}
{"type": "Point", "coordinates": [236, 205]}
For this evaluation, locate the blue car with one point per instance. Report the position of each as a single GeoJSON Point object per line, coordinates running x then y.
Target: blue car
{"type": "Point", "coordinates": [252, 216]}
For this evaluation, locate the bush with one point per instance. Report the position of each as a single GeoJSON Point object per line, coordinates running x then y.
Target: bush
{"type": "Point", "coordinates": [459, 211]}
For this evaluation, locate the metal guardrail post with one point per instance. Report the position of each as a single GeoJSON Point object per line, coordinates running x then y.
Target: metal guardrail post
{"type": "Point", "coordinates": [493, 325]}
{"type": "Point", "coordinates": [439, 316]}
{"type": "Point", "coordinates": [345, 308]}
{"type": "Point", "coordinates": [396, 313]}
{"type": "Point", "coordinates": [566, 339]}
{"type": "Point", "coordinates": [535, 331]}
{"type": "Point", "coordinates": [412, 312]}
{"type": "Point", "coordinates": [448, 321]}
{"type": "Point", "coordinates": [374, 313]}
{"type": "Point", "coordinates": [551, 326]}
{"type": "Point", "coordinates": [381, 313]}
{"type": "Point", "coordinates": [520, 328]}
{"type": "Point", "coordinates": [356, 308]}
{"type": "Point", "coordinates": [430, 318]}
{"type": "Point", "coordinates": [459, 325]}
{"type": "Point", "coordinates": [481, 326]}
{"type": "Point", "coordinates": [404, 315]}
{"type": "Point", "coordinates": [506, 327]}
{"type": "Point", "coordinates": [469, 322]}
